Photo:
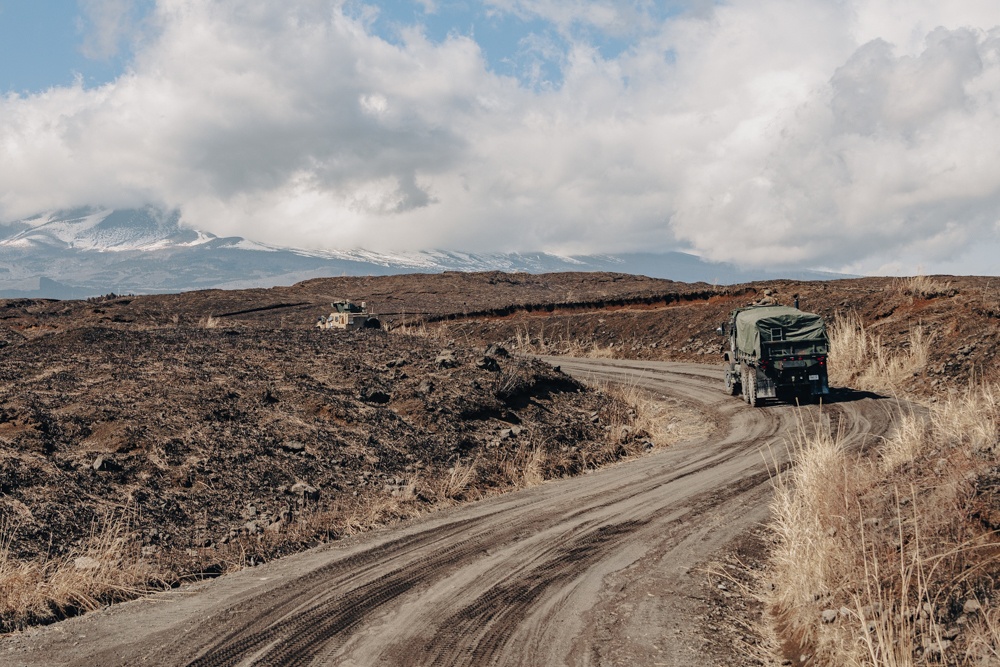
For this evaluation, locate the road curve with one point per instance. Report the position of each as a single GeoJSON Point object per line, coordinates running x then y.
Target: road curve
{"type": "Point", "coordinates": [595, 570]}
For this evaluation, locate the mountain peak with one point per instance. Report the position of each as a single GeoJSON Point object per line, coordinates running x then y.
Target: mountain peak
{"type": "Point", "coordinates": [95, 251]}
{"type": "Point", "coordinates": [104, 230]}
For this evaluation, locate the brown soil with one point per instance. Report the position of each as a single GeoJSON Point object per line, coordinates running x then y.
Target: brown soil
{"type": "Point", "coordinates": [223, 447]}
{"type": "Point", "coordinates": [625, 316]}
{"type": "Point", "coordinates": [610, 568]}
{"type": "Point", "coordinates": [231, 444]}
{"type": "Point", "coordinates": [963, 318]}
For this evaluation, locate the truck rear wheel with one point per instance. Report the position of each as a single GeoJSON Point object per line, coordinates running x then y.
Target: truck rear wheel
{"type": "Point", "coordinates": [752, 390]}
{"type": "Point", "coordinates": [732, 383]}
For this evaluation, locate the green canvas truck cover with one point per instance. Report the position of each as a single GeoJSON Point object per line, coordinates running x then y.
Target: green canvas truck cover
{"type": "Point", "coordinates": [774, 323]}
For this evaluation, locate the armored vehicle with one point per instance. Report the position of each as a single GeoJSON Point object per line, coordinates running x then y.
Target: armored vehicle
{"type": "Point", "coordinates": [775, 352]}
{"type": "Point", "coordinates": [349, 315]}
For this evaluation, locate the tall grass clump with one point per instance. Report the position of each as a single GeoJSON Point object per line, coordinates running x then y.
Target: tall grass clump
{"type": "Point", "coordinates": [860, 359]}
{"type": "Point", "coordinates": [209, 322]}
{"type": "Point", "coordinates": [107, 568]}
{"type": "Point", "coordinates": [561, 343]}
{"type": "Point", "coordinates": [893, 559]}
{"type": "Point", "coordinates": [923, 287]}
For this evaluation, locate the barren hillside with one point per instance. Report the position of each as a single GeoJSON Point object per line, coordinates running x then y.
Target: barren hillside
{"type": "Point", "coordinates": [203, 431]}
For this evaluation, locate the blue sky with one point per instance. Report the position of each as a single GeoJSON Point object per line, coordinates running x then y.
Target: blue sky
{"type": "Point", "coordinates": [42, 44]}
{"type": "Point", "coordinates": [46, 43]}
{"type": "Point", "coordinates": [850, 135]}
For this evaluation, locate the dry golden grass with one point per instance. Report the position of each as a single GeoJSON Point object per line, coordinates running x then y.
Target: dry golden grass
{"type": "Point", "coordinates": [460, 476]}
{"type": "Point", "coordinates": [890, 547]}
{"type": "Point", "coordinates": [526, 468]}
{"type": "Point", "coordinates": [378, 510]}
{"type": "Point", "coordinates": [859, 358]}
{"type": "Point", "coordinates": [107, 568]}
{"type": "Point", "coordinates": [412, 329]}
{"type": "Point", "coordinates": [542, 342]}
{"type": "Point", "coordinates": [923, 287]}
{"type": "Point", "coordinates": [636, 421]}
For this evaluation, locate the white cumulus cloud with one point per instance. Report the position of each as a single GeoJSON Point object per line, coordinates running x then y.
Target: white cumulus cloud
{"type": "Point", "coordinates": [826, 133]}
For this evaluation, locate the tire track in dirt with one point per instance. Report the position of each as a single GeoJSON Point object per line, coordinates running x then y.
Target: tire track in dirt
{"type": "Point", "coordinates": [532, 578]}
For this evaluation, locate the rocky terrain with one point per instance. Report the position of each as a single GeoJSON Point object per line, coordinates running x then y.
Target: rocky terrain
{"type": "Point", "coordinates": [961, 315]}
{"type": "Point", "coordinates": [211, 448]}
{"type": "Point", "coordinates": [204, 431]}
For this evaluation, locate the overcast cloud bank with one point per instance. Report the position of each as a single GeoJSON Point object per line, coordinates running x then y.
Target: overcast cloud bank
{"type": "Point", "coordinates": [855, 136]}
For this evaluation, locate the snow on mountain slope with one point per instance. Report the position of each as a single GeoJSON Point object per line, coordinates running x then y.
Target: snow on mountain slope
{"type": "Point", "coordinates": [90, 252]}
{"type": "Point", "coordinates": [105, 231]}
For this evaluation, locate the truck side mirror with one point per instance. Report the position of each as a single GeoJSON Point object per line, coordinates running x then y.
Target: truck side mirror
{"type": "Point", "coordinates": [721, 330]}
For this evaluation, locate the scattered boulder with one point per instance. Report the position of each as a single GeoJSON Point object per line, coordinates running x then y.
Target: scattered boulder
{"type": "Point", "coordinates": [488, 364]}
{"type": "Point", "coordinates": [306, 492]}
{"type": "Point", "coordinates": [935, 650]}
{"type": "Point", "coordinates": [104, 463]}
{"type": "Point", "coordinates": [376, 396]}
{"type": "Point", "coordinates": [446, 359]}
{"type": "Point", "coordinates": [497, 351]}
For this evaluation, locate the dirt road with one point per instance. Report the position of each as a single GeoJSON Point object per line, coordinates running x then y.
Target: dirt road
{"type": "Point", "coordinates": [598, 570]}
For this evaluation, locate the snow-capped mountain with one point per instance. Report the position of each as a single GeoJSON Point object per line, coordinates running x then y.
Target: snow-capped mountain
{"type": "Point", "coordinates": [86, 252]}
{"type": "Point", "coordinates": [104, 230]}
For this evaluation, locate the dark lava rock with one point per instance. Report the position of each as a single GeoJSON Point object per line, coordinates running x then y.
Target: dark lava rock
{"type": "Point", "coordinates": [488, 364]}
{"type": "Point", "coordinates": [375, 396]}
{"type": "Point", "coordinates": [498, 351]}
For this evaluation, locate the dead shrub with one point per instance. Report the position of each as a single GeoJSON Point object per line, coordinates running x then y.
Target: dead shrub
{"type": "Point", "coordinates": [860, 359]}
{"type": "Point", "coordinates": [208, 322]}
{"type": "Point", "coordinates": [876, 556]}
{"type": "Point", "coordinates": [109, 567]}
{"type": "Point", "coordinates": [923, 287]}
{"type": "Point", "coordinates": [562, 344]}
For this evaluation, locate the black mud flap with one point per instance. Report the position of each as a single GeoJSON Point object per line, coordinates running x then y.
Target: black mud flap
{"type": "Point", "coordinates": [766, 387]}
{"type": "Point", "coordinates": [819, 386]}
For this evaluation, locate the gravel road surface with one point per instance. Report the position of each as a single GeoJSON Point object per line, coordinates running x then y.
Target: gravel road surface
{"type": "Point", "coordinates": [603, 569]}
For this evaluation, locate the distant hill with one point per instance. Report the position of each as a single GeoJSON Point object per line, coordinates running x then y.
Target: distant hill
{"type": "Point", "coordinates": [88, 252]}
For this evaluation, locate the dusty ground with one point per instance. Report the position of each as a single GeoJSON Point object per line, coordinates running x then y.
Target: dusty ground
{"type": "Point", "coordinates": [961, 314]}
{"type": "Point", "coordinates": [625, 316]}
{"type": "Point", "coordinates": [608, 568]}
{"type": "Point", "coordinates": [229, 441]}
{"type": "Point", "coordinates": [223, 447]}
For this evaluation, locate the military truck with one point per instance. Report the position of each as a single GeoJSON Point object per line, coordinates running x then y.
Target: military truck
{"type": "Point", "coordinates": [775, 352]}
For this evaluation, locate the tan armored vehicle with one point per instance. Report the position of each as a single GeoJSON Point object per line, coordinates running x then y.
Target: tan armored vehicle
{"type": "Point", "coordinates": [348, 315]}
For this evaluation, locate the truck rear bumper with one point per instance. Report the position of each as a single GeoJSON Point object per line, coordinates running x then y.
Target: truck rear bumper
{"type": "Point", "coordinates": [799, 383]}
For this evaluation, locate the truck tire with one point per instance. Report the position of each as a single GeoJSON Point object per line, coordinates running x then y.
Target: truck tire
{"type": "Point", "coordinates": [752, 390]}
{"type": "Point", "coordinates": [732, 383]}
{"type": "Point", "coordinates": [745, 385]}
